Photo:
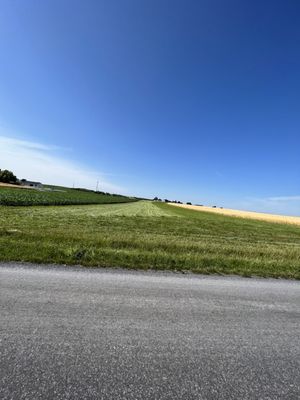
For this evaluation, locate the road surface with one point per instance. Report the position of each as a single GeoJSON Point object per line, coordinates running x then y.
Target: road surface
{"type": "Point", "coordinates": [74, 333]}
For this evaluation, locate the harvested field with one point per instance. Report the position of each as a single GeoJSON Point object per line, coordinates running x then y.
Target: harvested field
{"type": "Point", "coordinates": [283, 219]}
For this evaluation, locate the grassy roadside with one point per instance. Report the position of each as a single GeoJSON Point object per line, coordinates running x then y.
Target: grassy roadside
{"type": "Point", "coordinates": [149, 235]}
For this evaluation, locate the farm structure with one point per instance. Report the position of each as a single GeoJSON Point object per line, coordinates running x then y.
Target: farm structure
{"type": "Point", "coordinates": [24, 182]}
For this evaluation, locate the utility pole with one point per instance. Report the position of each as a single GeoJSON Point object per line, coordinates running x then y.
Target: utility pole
{"type": "Point", "coordinates": [97, 186]}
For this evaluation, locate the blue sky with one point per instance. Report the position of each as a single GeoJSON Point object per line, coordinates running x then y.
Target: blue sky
{"type": "Point", "coordinates": [190, 100]}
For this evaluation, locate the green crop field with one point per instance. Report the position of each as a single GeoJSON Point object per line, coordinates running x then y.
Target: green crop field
{"type": "Point", "coordinates": [149, 235]}
{"type": "Point", "coordinates": [52, 195]}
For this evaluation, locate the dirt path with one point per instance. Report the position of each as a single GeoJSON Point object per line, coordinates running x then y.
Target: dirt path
{"type": "Point", "coordinates": [15, 186]}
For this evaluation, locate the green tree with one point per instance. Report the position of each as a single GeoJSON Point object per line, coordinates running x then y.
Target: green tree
{"type": "Point", "coordinates": [7, 176]}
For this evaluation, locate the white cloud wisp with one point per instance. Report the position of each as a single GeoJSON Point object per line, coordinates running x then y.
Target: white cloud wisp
{"type": "Point", "coordinates": [38, 162]}
{"type": "Point", "coordinates": [284, 205]}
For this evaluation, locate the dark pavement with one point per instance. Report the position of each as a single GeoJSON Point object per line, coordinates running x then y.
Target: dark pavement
{"type": "Point", "coordinates": [74, 333]}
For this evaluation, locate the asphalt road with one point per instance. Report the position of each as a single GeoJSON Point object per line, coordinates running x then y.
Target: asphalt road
{"type": "Point", "coordinates": [72, 333]}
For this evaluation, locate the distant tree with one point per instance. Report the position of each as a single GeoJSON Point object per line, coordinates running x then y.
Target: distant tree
{"type": "Point", "coordinates": [155, 198]}
{"type": "Point", "coordinates": [7, 176]}
{"type": "Point", "coordinates": [167, 201]}
{"type": "Point", "coordinates": [189, 203]}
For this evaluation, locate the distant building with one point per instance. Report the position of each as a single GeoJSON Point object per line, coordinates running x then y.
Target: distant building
{"type": "Point", "coordinates": [25, 182]}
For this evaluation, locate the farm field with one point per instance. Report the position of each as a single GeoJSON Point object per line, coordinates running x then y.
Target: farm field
{"type": "Point", "coordinates": [18, 196]}
{"type": "Point", "coordinates": [285, 219]}
{"type": "Point", "coordinates": [149, 235]}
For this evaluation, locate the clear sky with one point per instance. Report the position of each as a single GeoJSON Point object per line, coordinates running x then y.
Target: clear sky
{"type": "Point", "coordinates": [190, 100]}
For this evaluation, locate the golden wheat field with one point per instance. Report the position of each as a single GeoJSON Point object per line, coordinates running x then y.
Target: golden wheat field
{"type": "Point", "coordinates": [244, 214]}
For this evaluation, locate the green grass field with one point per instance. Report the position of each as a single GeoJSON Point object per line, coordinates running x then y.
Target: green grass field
{"type": "Point", "coordinates": [60, 196]}
{"type": "Point", "coordinates": [149, 235]}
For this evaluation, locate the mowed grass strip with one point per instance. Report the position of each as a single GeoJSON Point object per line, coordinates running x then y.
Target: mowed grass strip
{"type": "Point", "coordinates": [149, 235]}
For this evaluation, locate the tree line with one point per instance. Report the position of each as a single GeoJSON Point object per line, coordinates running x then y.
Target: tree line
{"type": "Point", "coordinates": [171, 201]}
{"type": "Point", "coordinates": [7, 176]}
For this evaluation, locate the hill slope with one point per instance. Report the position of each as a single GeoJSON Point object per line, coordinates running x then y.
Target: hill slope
{"type": "Point", "coordinates": [284, 219]}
